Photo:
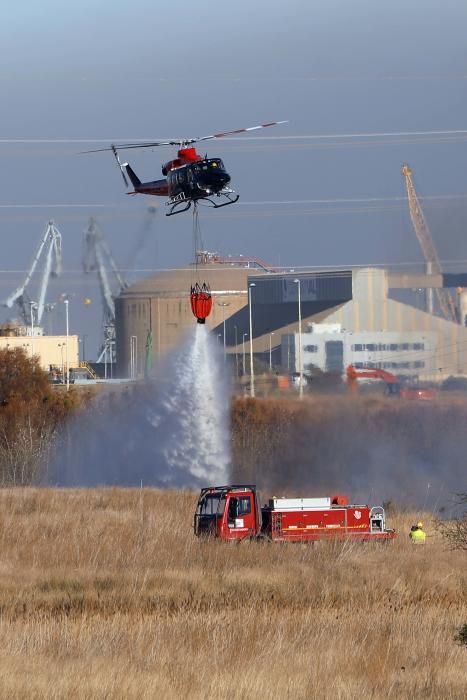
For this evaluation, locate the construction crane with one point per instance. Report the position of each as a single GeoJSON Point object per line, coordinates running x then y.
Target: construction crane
{"type": "Point", "coordinates": [50, 246]}
{"type": "Point", "coordinates": [97, 257]}
{"type": "Point", "coordinates": [433, 265]}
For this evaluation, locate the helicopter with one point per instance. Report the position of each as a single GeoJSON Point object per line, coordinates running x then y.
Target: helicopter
{"type": "Point", "coordinates": [189, 178]}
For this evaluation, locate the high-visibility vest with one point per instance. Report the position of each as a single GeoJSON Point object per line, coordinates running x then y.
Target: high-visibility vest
{"type": "Point", "coordinates": [417, 536]}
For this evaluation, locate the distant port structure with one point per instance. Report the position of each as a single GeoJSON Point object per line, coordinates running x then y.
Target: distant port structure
{"type": "Point", "coordinates": [371, 316]}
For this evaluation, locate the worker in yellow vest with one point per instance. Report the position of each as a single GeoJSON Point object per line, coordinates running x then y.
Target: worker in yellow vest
{"type": "Point", "coordinates": [417, 534]}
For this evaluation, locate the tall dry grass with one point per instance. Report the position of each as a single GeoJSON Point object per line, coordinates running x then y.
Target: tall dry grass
{"type": "Point", "coordinates": [107, 594]}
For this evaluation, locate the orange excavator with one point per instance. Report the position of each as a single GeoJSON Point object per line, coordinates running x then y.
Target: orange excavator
{"type": "Point", "coordinates": [394, 387]}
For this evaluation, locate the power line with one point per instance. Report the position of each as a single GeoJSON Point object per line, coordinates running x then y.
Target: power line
{"type": "Point", "coordinates": [56, 206]}
{"type": "Point", "coordinates": [334, 271]}
{"type": "Point", "coordinates": [336, 200]}
{"type": "Point", "coordinates": [285, 137]}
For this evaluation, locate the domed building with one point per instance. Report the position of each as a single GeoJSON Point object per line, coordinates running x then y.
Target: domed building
{"type": "Point", "coordinates": [160, 306]}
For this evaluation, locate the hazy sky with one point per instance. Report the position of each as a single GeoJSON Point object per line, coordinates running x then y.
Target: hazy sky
{"type": "Point", "coordinates": [119, 70]}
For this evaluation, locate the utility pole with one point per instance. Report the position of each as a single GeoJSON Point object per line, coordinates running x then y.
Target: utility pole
{"type": "Point", "coordinates": [223, 304]}
{"type": "Point", "coordinates": [32, 305]}
{"type": "Point", "coordinates": [300, 367]}
{"type": "Point", "coordinates": [245, 335]}
{"type": "Point", "coordinates": [66, 347]}
{"type": "Point", "coordinates": [252, 369]}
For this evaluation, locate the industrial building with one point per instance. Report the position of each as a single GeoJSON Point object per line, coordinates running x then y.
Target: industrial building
{"type": "Point", "coordinates": [365, 320]}
{"type": "Point", "coordinates": [330, 348]}
{"type": "Point", "coordinates": [52, 350]}
{"type": "Point", "coordinates": [161, 305]}
{"type": "Point", "coordinates": [371, 329]}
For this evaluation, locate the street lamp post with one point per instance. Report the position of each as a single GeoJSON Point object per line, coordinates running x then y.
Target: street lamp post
{"type": "Point", "coordinates": [31, 304]}
{"type": "Point", "coordinates": [66, 347]}
{"type": "Point", "coordinates": [252, 369]}
{"type": "Point", "coordinates": [236, 352]}
{"type": "Point", "coordinates": [60, 345]}
{"type": "Point", "coordinates": [245, 335]}
{"type": "Point", "coordinates": [270, 351]}
{"type": "Point", "coordinates": [223, 304]}
{"type": "Point", "coordinates": [133, 356]}
{"type": "Point", "coordinates": [300, 367]}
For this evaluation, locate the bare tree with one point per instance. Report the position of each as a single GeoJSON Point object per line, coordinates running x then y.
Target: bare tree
{"type": "Point", "coordinates": [31, 415]}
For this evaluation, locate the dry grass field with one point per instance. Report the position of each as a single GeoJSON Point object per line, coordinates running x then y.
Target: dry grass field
{"type": "Point", "coordinates": [107, 594]}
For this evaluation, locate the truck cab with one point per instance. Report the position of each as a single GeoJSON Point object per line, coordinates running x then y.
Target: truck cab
{"type": "Point", "coordinates": [228, 512]}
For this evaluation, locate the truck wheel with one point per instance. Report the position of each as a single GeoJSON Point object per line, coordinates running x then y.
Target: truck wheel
{"type": "Point", "coordinates": [245, 540]}
{"type": "Point", "coordinates": [262, 537]}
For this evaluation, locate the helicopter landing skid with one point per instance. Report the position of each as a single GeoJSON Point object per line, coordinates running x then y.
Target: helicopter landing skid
{"type": "Point", "coordinates": [230, 200]}
{"type": "Point", "coordinates": [181, 205]}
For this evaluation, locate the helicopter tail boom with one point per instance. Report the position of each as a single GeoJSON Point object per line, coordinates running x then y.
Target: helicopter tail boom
{"type": "Point", "coordinates": [134, 179]}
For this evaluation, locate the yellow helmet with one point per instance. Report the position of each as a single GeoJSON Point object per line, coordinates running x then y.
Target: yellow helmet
{"type": "Point", "coordinates": [420, 525]}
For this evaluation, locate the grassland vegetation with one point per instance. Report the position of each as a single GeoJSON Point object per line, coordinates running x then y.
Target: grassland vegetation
{"type": "Point", "coordinates": [107, 593]}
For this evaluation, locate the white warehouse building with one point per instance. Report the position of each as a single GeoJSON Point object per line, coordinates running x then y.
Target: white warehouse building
{"type": "Point", "coordinates": [330, 348]}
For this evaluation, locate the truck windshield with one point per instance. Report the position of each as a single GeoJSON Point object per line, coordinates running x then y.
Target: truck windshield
{"type": "Point", "coordinates": [211, 504]}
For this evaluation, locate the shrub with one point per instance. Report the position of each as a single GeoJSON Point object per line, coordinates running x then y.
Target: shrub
{"type": "Point", "coordinates": [461, 636]}
{"type": "Point", "coordinates": [455, 531]}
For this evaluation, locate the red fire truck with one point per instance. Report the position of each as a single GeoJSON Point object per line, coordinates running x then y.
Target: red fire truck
{"type": "Point", "coordinates": [234, 513]}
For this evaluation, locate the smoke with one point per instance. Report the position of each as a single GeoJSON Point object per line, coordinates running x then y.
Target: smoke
{"type": "Point", "coordinates": [172, 431]}
{"type": "Point", "coordinates": [371, 449]}
{"type": "Point", "coordinates": [148, 227]}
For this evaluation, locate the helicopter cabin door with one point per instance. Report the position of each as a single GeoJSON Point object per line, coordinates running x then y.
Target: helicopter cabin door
{"type": "Point", "coordinates": [178, 182]}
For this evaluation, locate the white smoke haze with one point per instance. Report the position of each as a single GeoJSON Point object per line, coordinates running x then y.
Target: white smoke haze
{"type": "Point", "coordinates": [172, 432]}
{"type": "Point", "coordinates": [373, 449]}
{"type": "Point", "coordinates": [175, 431]}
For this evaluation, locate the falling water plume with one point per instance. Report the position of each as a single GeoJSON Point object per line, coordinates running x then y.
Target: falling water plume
{"type": "Point", "coordinates": [192, 414]}
{"type": "Point", "coordinates": [172, 431]}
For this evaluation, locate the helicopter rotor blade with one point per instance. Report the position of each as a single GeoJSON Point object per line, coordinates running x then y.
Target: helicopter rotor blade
{"type": "Point", "coordinates": [154, 144]}
{"type": "Point", "coordinates": [239, 131]}
{"type": "Point", "coordinates": [185, 142]}
{"type": "Point", "coordinates": [143, 144]}
{"type": "Point", "coordinates": [113, 148]}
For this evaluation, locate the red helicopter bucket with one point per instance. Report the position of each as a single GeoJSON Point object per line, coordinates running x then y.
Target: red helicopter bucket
{"type": "Point", "coordinates": [201, 301]}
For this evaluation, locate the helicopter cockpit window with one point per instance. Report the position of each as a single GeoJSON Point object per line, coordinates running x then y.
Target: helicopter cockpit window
{"type": "Point", "coordinates": [216, 164]}
{"type": "Point", "coordinates": [211, 165]}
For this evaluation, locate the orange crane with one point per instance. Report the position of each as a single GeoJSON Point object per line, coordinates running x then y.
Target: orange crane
{"type": "Point", "coordinates": [445, 300]}
{"type": "Point", "coordinates": [394, 387]}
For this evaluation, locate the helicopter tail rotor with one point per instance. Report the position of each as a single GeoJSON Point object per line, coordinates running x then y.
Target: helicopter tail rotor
{"type": "Point", "coordinates": [120, 165]}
